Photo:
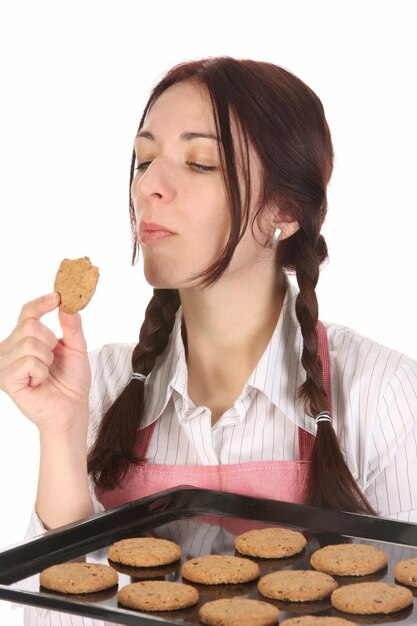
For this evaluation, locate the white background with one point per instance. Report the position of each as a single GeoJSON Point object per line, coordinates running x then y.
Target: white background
{"type": "Point", "coordinates": [74, 78]}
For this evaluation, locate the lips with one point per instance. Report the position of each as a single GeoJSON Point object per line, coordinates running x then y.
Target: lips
{"type": "Point", "coordinates": [150, 227]}
{"type": "Point", "coordinates": [150, 232]}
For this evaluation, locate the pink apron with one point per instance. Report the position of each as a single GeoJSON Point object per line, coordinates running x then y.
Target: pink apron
{"type": "Point", "coordinates": [279, 480]}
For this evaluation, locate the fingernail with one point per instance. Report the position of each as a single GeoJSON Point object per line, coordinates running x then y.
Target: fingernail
{"type": "Point", "coordinates": [52, 298]}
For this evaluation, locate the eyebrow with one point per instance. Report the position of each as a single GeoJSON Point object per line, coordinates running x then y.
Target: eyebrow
{"type": "Point", "coordinates": [186, 136]}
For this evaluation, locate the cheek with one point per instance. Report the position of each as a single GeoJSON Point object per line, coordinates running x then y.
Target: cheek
{"type": "Point", "coordinates": [136, 211]}
{"type": "Point", "coordinates": [209, 214]}
{"type": "Point", "coordinates": [214, 225]}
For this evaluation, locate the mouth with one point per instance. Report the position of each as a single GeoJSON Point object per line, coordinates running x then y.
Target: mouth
{"type": "Point", "coordinates": [150, 231]}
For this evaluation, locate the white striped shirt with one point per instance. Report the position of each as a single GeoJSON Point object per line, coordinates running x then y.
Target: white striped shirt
{"type": "Point", "coordinates": [374, 399]}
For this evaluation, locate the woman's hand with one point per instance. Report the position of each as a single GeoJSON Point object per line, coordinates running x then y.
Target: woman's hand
{"type": "Point", "coordinates": [48, 379]}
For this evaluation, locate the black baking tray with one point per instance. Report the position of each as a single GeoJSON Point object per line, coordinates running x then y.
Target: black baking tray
{"type": "Point", "coordinates": [203, 521]}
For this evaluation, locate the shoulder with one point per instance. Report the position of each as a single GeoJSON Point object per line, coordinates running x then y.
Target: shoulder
{"type": "Point", "coordinates": [370, 370]}
{"type": "Point", "coordinates": [358, 354]}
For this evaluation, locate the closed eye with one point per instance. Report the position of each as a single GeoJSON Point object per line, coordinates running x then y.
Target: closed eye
{"type": "Point", "coordinates": [201, 168]}
{"type": "Point", "coordinates": [143, 166]}
{"type": "Point", "coordinates": [197, 166]}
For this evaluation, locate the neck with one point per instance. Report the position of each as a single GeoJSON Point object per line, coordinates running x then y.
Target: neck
{"type": "Point", "coordinates": [228, 328]}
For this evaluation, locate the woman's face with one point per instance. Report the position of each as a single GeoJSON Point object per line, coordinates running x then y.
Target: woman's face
{"type": "Point", "coordinates": [178, 186]}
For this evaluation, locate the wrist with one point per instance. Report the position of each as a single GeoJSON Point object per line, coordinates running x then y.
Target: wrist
{"type": "Point", "coordinates": [63, 489]}
{"type": "Point", "coordinates": [69, 427]}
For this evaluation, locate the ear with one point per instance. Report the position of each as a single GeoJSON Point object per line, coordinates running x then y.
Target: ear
{"type": "Point", "coordinates": [286, 225]}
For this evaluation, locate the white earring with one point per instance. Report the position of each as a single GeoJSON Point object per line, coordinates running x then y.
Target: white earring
{"type": "Point", "coordinates": [271, 243]}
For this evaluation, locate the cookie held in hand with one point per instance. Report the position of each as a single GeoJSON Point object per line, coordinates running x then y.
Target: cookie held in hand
{"type": "Point", "coordinates": [76, 282]}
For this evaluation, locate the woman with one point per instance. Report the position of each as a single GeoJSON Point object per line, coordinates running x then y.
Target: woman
{"type": "Point", "coordinates": [228, 195]}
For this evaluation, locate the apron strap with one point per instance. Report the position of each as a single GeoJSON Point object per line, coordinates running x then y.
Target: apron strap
{"type": "Point", "coordinates": [306, 439]}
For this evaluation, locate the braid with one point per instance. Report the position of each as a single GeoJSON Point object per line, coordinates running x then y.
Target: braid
{"type": "Point", "coordinates": [330, 483]}
{"type": "Point", "coordinates": [312, 392]}
{"type": "Point", "coordinates": [155, 330]}
{"type": "Point", "coordinates": [114, 449]}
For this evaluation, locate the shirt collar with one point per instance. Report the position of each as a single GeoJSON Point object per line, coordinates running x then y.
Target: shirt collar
{"type": "Point", "coordinates": [278, 373]}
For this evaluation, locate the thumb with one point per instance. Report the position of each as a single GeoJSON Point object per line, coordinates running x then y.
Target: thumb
{"type": "Point", "coordinates": [72, 331]}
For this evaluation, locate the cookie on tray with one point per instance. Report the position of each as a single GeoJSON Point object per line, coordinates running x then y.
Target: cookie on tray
{"type": "Point", "coordinates": [78, 577]}
{"type": "Point", "coordinates": [348, 559]}
{"type": "Point", "coordinates": [76, 282]}
{"type": "Point", "coordinates": [218, 569]}
{"type": "Point", "coordinates": [144, 552]}
{"type": "Point", "coordinates": [157, 595]}
{"type": "Point", "coordinates": [406, 572]}
{"type": "Point", "coordinates": [371, 598]}
{"type": "Point", "coordinates": [238, 612]}
{"type": "Point", "coordinates": [270, 543]}
{"type": "Point", "coordinates": [317, 620]}
{"type": "Point", "coordinates": [297, 585]}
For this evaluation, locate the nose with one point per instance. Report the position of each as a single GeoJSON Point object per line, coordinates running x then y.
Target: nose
{"type": "Point", "coordinates": [156, 182]}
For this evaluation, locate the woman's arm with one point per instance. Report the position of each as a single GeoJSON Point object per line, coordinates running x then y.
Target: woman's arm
{"type": "Point", "coordinates": [49, 381]}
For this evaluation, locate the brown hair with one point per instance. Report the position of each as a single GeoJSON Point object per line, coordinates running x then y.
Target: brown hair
{"type": "Point", "coordinates": [285, 122]}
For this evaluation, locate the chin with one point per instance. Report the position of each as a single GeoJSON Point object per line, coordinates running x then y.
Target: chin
{"type": "Point", "coordinates": [160, 280]}
{"type": "Point", "coordinates": [169, 283]}
{"type": "Point", "coordinates": [165, 276]}
{"type": "Point", "coordinates": [160, 284]}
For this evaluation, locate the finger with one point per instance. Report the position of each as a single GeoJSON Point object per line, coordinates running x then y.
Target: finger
{"type": "Point", "coordinates": [38, 307]}
{"type": "Point", "coordinates": [34, 328]}
{"type": "Point", "coordinates": [73, 336]}
{"type": "Point", "coordinates": [28, 328]}
{"type": "Point", "coordinates": [24, 373]}
{"type": "Point", "coordinates": [26, 347]}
